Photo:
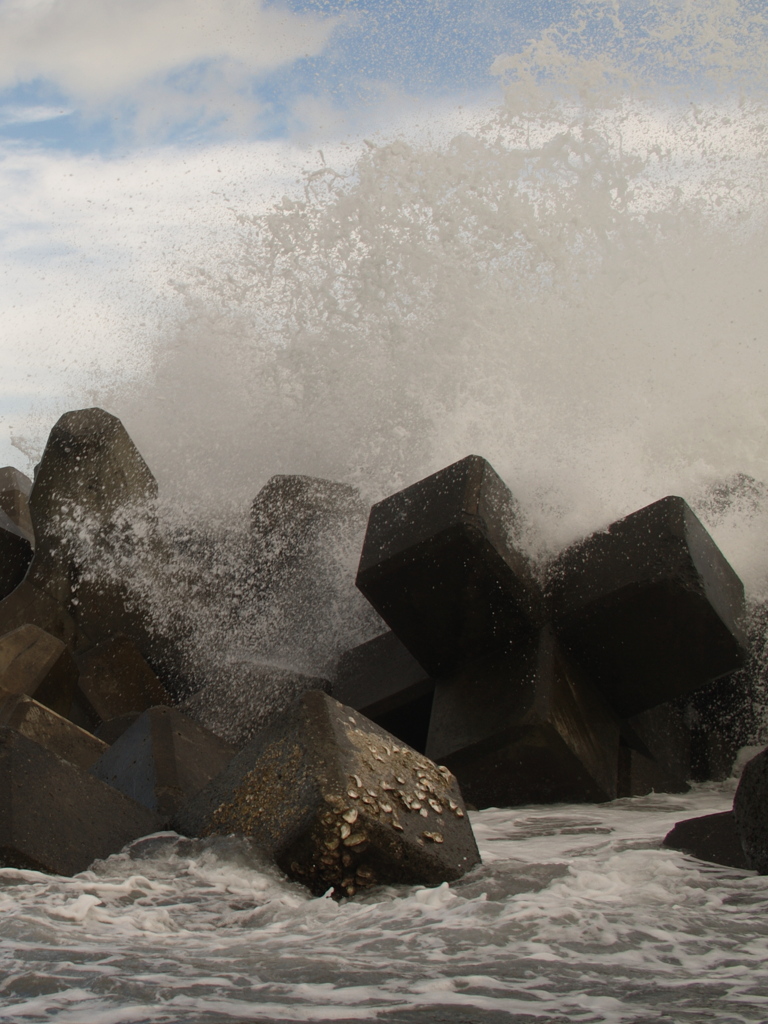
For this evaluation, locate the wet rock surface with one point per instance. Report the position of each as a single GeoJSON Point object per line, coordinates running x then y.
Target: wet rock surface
{"type": "Point", "coordinates": [39, 665]}
{"type": "Point", "coordinates": [750, 811]}
{"type": "Point", "coordinates": [713, 837]}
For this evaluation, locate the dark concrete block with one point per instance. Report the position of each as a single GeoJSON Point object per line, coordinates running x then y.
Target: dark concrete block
{"type": "Point", "coordinates": [383, 680]}
{"type": "Point", "coordinates": [526, 729]}
{"type": "Point", "coordinates": [655, 752]}
{"type": "Point", "coordinates": [650, 607]}
{"type": "Point", "coordinates": [114, 728]}
{"type": "Point", "coordinates": [54, 816]}
{"type": "Point", "coordinates": [440, 566]}
{"type": "Point", "coordinates": [115, 680]}
{"type": "Point", "coordinates": [92, 508]}
{"type": "Point", "coordinates": [28, 604]}
{"type": "Point", "coordinates": [163, 759]}
{"type": "Point", "coordinates": [306, 539]}
{"type": "Point", "coordinates": [39, 665]}
{"type": "Point", "coordinates": [14, 500]}
{"type": "Point", "coordinates": [15, 555]}
{"type": "Point", "coordinates": [49, 730]}
{"type": "Point", "coordinates": [750, 810]}
{"type": "Point", "coordinates": [247, 697]}
{"type": "Point", "coordinates": [712, 837]}
{"type": "Point", "coordinates": [338, 802]}
{"type": "Point", "coordinates": [723, 718]}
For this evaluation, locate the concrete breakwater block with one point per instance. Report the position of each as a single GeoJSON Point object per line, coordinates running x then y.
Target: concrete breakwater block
{"type": "Point", "coordinates": [655, 753]}
{"type": "Point", "coordinates": [338, 803]}
{"type": "Point", "coordinates": [54, 816]}
{"type": "Point", "coordinates": [115, 680]}
{"type": "Point", "coordinates": [162, 759]}
{"type": "Point", "coordinates": [15, 554]}
{"type": "Point", "coordinates": [440, 566]}
{"type": "Point", "coordinates": [29, 604]}
{"type": "Point", "coordinates": [750, 810]}
{"type": "Point", "coordinates": [528, 728]}
{"type": "Point", "coordinates": [383, 681]}
{"type": "Point", "coordinates": [712, 837]}
{"type": "Point", "coordinates": [650, 607]}
{"type": "Point", "coordinates": [62, 737]}
{"type": "Point", "coordinates": [39, 665]}
{"type": "Point", "coordinates": [91, 507]}
{"type": "Point", "coordinates": [14, 500]}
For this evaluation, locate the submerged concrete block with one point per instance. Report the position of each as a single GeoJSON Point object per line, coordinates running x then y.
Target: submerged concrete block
{"type": "Point", "coordinates": [338, 803]}
{"type": "Point", "coordinates": [650, 607]}
{"type": "Point", "coordinates": [54, 816]}
{"type": "Point", "coordinates": [14, 500]}
{"type": "Point", "coordinates": [750, 810]}
{"type": "Point", "coordinates": [49, 730]}
{"type": "Point", "coordinates": [440, 566]}
{"type": "Point", "coordinates": [383, 680]}
{"type": "Point", "coordinates": [163, 759]}
{"type": "Point", "coordinates": [712, 837]}
{"type": "Point", "coordinates": [655, 752]}
{"type": "Point", "coordinates": [525, 729]}
{"type": "Point", "coordinates": [39, 665]}
{"type": "Point", "coordinates": [115, 680]}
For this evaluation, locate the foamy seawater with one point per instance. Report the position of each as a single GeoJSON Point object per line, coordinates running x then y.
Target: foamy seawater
{"type": "Point", "coordinates": [577, 914]}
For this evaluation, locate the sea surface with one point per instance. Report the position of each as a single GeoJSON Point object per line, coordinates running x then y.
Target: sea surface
{"type": "Point", "coordinates": [577, 914]}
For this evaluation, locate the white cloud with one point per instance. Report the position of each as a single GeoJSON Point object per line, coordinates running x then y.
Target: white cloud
{"type": "Point", "coordinates": [96, 51]}
{"type": "Point", "coordinates": [17, 114]}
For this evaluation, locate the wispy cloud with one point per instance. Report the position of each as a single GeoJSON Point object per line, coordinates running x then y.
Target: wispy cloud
{"type": "Point", "coordinates": [182, 59]}
{"type": "Point", "coordinates": [19, 114]}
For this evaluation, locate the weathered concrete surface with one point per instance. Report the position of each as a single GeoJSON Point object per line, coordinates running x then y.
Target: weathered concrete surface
{"type": "Point", "coordinates": [247, 697]}
{"type": "Point", "coordinates": [29, 604]}
{"type": "Point", "coordinates": [650, 607]}
{"type": "Point", "coordinates": [383, 681]}
{"type": "Point", "coordinates": [15, 555]}
{"type": "Point", "coordinates": [440, 566]}
{"type": "Point", "coordinates": [655, 752]}
{"type": "Point", "coordinates": [527, 728]}
{"type": "Point", "coordinates": [750, 810]}
{"type": "Point", "coordinates": [91, 506]}
{"type": "Point", "coordinates": [39, 665]}
{"type": "Point", "coordinates": [57, 734]}
{"type": "Point", "coordinates": [306, 539]}
{"type": "Point", "coordinates": [115, 680]}
{"type": "Point", "coordinates": [163, 759]}
{"type": "Point", "coordinates": [56, 817]}
{"type": "Point", "coordinates": [14, 500]}
{"type": "Point", "coordinates": [713, 837]}
{"type": "Point", "coordinates": [338, 803]}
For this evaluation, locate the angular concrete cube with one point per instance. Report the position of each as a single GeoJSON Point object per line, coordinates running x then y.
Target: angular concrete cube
{"type": "Point", "coordinates": [383, 680]}
{"type": "Point", "coordinates": [54, 816]}
{"type": "Point", "coordinates": [163, 759]}
{"type": "Point", "coordinates": [712, 837]}
{"type": "Point", "coordinates": [49, 730]}
{"type": "Point", "coordinates": [338, 803]}
{"type": "Point", "coordinates": [39, 665]}
{"type": "Point", "coordinates": [28, 604]}
{"type": "Point", "coordinates": [14, 499]}
{"type": "Point", "coordinates": [92, 507]}
{"type": "Point", "coordinates": [750, 811]}
{"type": "Point", "coordinates": [439, 564]}
{"type": "Point", "coordinates": [655, 752]}
{"type": "Point", "coordinates": [525, 729]}
{"type": "Point", "coordinates": [15, 555]}
{"type": "Point", "coordinates": [650, 607]}
{"type": "Point", "coordinates": [115, 680]}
